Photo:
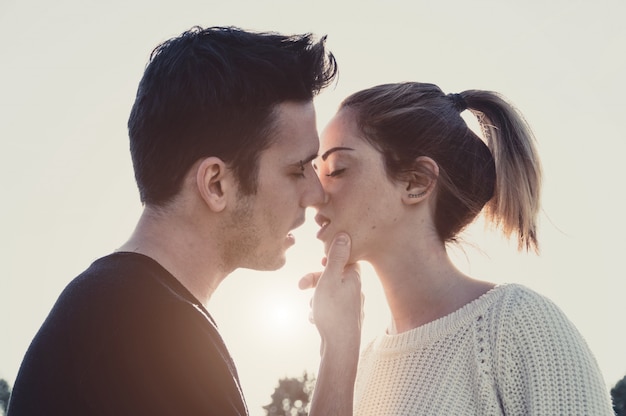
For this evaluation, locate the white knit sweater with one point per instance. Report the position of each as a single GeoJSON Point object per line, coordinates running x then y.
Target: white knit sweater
{"type": "Point", "coordinates": [510, 352]}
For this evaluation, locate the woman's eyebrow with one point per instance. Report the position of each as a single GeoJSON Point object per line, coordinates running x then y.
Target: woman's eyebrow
{"type": "Point", "coordinates": [332, 150]}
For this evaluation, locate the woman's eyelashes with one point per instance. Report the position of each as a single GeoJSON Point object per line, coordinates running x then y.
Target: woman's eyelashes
{"type": "Point", "coordinates": [335, 173]}
{"type": "Point", "coordinates": [323, 168]}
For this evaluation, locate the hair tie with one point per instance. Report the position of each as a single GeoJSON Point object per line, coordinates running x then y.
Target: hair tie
{"type": "Point", "coordinates": [458, 102]}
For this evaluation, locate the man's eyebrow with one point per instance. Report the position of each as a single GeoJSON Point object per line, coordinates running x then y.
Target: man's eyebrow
{"type": "Point", "coordinates": [334, 149]}
{"type": "Point", "coordinates": [303, 162]}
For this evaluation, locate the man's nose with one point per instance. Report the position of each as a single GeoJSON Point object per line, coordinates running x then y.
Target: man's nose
{"type": "Point", "coordinates": [315, 195]}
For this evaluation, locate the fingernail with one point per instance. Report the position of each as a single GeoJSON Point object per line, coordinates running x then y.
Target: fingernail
{"type": "Point", "coordinates": [342, 239]}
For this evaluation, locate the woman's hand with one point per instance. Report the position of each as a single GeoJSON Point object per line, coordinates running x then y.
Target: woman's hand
{"type": "Point", "coordinates": [336, 310]}
{"type": "Point", "coordinates": [337, 304]}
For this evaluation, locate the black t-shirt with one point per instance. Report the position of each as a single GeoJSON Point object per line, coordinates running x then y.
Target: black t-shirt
{"type": "Point", "coordinates": [126, 338]}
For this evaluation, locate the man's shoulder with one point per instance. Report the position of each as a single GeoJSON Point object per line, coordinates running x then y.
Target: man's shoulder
{"type": "Point", "coordinates": [121, 304]}
{"type": "Point", "coordinates": [120, 277]}
{"type": "Point", "coordinates": [119, 292]}
{"type": "Point", "coordinates": [117, 268]}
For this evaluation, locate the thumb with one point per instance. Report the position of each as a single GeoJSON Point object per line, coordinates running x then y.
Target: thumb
{"type": "Point", "coordinates": [338, 254]}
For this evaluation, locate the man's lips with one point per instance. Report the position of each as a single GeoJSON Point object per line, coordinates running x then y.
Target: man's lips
{"type": "Point", "coordinates": [298, 223]}
{"type": "Point", "coordinates": [295, 225]}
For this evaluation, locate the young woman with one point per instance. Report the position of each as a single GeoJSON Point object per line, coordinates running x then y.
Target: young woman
{"type": "Point", "coordinates": [404, 175]}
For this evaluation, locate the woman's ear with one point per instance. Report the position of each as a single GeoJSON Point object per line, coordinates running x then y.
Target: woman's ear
{"type": "Point", "coordinates": [212, 181]}
{"type": "Point", "coordinates": [421, 180]}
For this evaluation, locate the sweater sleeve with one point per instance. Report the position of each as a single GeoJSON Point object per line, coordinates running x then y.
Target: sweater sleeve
{"type": "Point", "coordinates": [543, 365]}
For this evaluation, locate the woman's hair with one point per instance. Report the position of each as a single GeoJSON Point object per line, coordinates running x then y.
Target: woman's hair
{"type": "Point", "coordinates": [502, 176]}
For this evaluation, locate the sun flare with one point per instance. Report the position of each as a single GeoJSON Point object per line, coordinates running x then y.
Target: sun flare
{"type": "Point", "coordinates": [280, 315]}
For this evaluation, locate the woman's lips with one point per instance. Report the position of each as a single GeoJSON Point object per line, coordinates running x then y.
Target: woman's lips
{"type": "Point", "coordinates": [323, 222]}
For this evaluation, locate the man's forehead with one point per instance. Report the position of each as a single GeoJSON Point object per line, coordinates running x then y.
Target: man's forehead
{"type": "Point", "coordinates": [295, 152]}
{"type": "Point", "coordinates": [295, 134]}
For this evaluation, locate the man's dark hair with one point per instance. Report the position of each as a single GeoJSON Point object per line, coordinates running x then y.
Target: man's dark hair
{"type": "Point", "coordinates": [212, 92]}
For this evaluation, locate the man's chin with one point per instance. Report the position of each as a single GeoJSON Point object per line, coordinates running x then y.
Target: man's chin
{"type": "Point", "coordinates": [268, 264]}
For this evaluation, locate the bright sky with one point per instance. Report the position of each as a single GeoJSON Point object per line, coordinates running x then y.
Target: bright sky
{"type": "Point", "coordinates": [69, 71]}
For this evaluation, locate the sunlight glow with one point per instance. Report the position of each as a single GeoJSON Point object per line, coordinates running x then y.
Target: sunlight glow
{"type": "Point", "coordinates": [280, 316]}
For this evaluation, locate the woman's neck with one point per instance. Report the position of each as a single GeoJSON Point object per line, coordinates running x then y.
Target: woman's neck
{"type": "Point", "coordinates": [422, 284]}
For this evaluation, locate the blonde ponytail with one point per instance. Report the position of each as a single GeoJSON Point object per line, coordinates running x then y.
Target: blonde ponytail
{"type": "Point", "coordinates": [515, 204]}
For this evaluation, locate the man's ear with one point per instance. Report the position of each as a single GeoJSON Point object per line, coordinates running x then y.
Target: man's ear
{"type": "Point", "coordinates": [421, 180]}
{"type": "Point", "coordinates": [212, 179]}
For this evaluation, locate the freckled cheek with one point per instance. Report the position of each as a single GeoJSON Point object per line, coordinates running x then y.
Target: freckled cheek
{"type": "Point", "coordinates": [352, 208]}
{"type": "Point", "coordinates": [329, 187]}
{"type": "Point", "coordinates": [372, 216]}
{"type": "Point", "coordinates": [363, 220]}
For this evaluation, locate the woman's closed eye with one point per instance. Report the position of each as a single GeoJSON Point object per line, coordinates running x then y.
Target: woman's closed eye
{"type": "Point", "coordinates": [335, 172]}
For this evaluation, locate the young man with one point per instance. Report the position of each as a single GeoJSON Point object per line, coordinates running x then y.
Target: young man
{"type": "Point", "coordinates": [221, 135]}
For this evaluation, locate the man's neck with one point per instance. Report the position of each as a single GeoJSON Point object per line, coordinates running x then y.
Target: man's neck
{"type": "Point", "coordinates": [182, 249]}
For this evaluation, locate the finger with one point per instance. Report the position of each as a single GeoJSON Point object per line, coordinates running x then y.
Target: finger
{"type": "Point", "coordinates": [355, 268]}
{"type": "Point", "coordinates": [352, 272]}
{"type": "Point", "coordinates": [324, 261]}
{"type": "Point", "coordinates": [338, 254]}
{"type": "Point", "coordinates": [309, 281]}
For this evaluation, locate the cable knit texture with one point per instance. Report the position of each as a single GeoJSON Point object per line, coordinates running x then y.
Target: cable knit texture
{"type": "Point", "coordinates": [510, 352]}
